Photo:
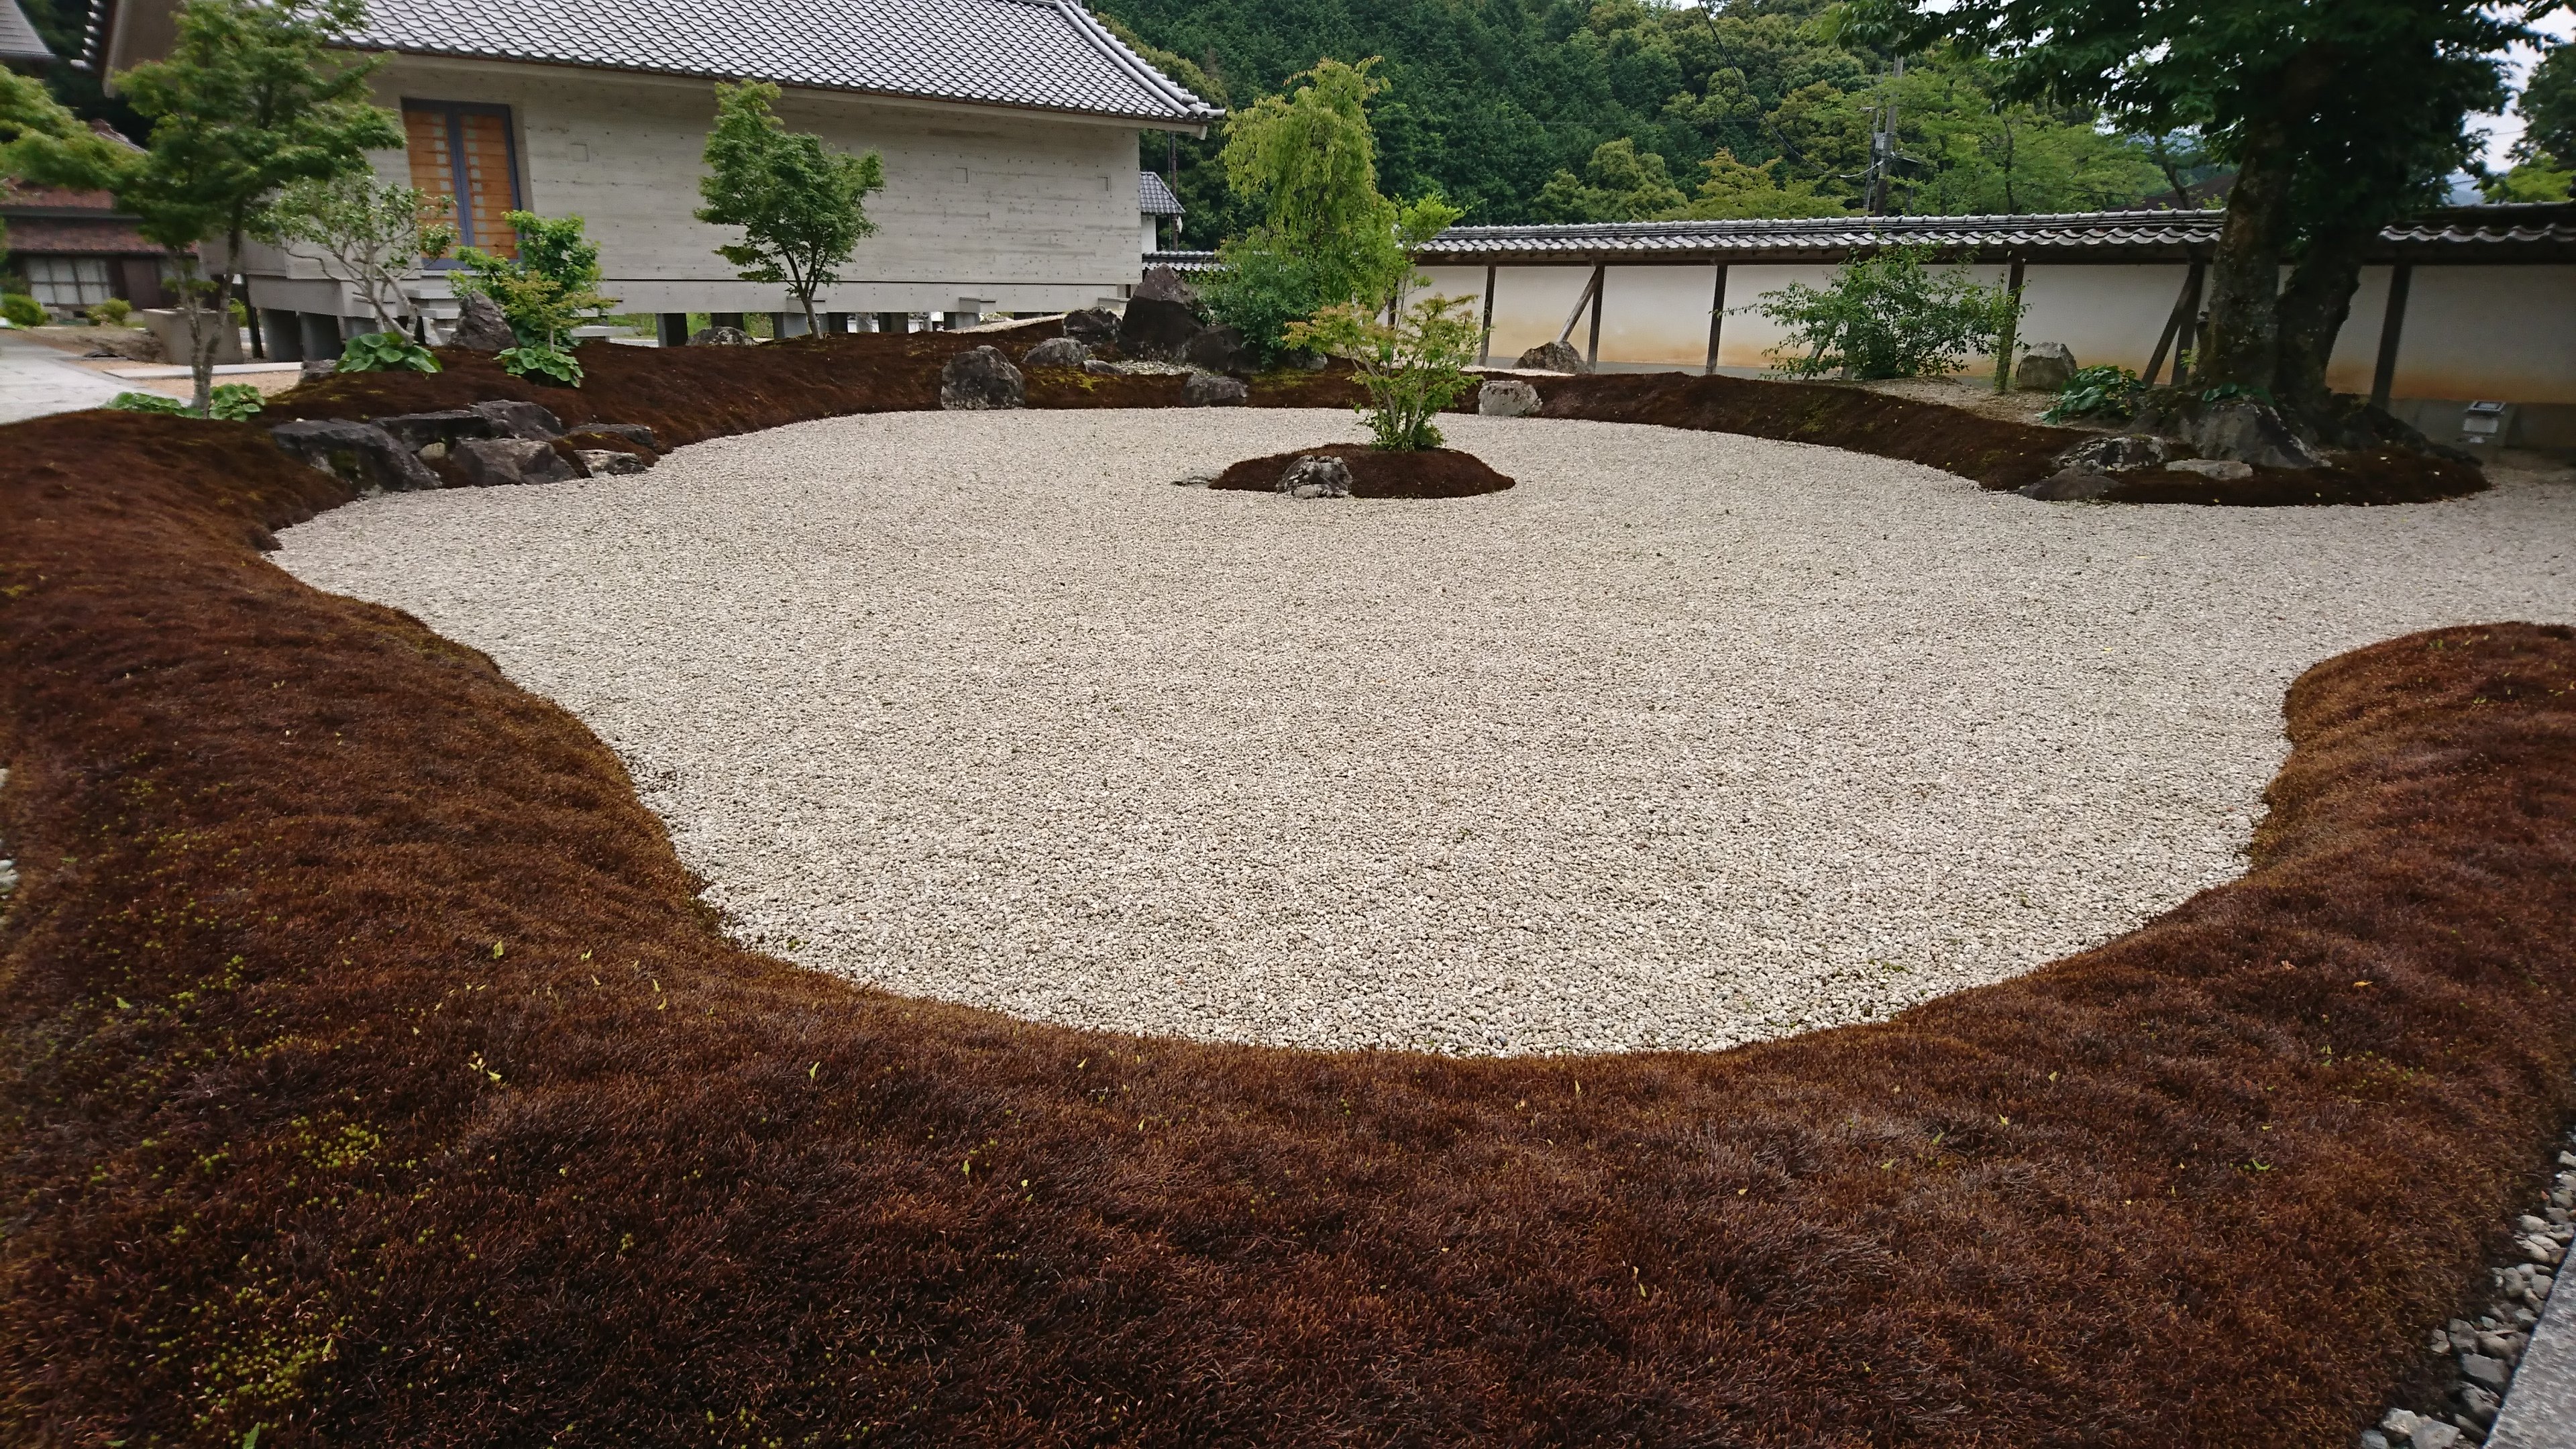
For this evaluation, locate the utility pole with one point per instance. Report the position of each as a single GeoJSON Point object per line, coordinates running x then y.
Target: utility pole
{"type": "Point", "coordinates": [1882, 148]}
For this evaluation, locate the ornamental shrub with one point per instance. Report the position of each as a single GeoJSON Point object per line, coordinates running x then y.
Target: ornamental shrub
{"type": "Point", "coordinates": [112, 312]}
{"type": "Point", "coordinates": [1889, 315]}
{"type": "Point", "coordinates": [2106, 390]}
{"type": "Point", "coordinates": [1411, 368]}
{"type": "Point", "coordinates": [386, 352]}
{"type": "Point", "coordinates": [22, 310]}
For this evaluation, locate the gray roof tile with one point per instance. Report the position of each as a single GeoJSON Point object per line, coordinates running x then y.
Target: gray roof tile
{"type": "Point", "coordinates": [1154, 195]}
{"type": "Point", "coordinates": [1049, 55]}
{"type": "Point", "coordinates": [18, 37]}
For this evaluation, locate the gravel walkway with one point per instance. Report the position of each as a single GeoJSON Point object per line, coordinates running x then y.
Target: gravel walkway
{"type": "Point", "coordinates": [1689, 740]}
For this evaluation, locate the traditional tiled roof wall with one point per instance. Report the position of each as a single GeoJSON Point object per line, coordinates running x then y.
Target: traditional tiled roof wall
{"type": "Point", "coordinates": [1047, 55]}
{"type": "Point", "coordinates": [1154, 195]}
{"type": "Point", "coordinates": [2529, 232]}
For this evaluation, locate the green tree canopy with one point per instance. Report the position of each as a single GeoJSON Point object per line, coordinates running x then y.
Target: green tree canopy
{"type": "Point", "coordinates": [2545, 158]}
{"type": "Point", "coordinates": [252, 96]}
{"type": "Point", "coordinates": [1618, 184]}
{"type": "Point", "coordinates": [544, 291]}
{"type": "Point", "coordinates": [799, 203]}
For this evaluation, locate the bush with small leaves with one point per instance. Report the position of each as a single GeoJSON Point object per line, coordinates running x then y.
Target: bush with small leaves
{"type": "Point", "coordinates": [22, 310]}
{"type": "Point", "coordinates": [112, 312]}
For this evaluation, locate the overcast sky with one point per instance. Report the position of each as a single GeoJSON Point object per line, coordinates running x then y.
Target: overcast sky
{"type": "Point", "coordinates": [2503, 131]}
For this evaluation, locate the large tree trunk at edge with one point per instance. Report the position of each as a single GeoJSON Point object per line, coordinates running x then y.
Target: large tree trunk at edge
{"type": "Point", "coordinates": [2312, 310]}
{"type": "Point", "coordinates": [2245, 276]}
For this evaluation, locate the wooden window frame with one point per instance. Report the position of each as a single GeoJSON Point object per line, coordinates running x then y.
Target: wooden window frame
{"type": "Point", "coordinates": [452, 115]}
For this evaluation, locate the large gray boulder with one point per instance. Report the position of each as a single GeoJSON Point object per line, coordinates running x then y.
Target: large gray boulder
{"type": "Point", "coordinates": [1316, 475]}
{"type": "Point", "coordinates": [2115, 453]}
{"type": "Point", "coordinates": [1554, 357]}
{"type": "Point", "coordinates": [981, 379]}
{"type": "Point", "coordinates": [1163, 284]}
{"type": "Point", "coordinates": [512, 418]}
{"type": "Point", "coordinates": [1218, 349]}
{"type": "Point", "coordinates": [1507, 397]}
{"type": "Point", "coordinates": [512, 462]}
{"type": "Point", "coordinates": [1056, 352]}
{"type": "Point", "coordinates": [2047, 367]}
{"type": "Point", "coordinates": [1092, 326]}
{"type": "Point", "coordinates": [362, 455]}
{"type": "Point", "coordinates": [2070, 485]}
{"type": "Point", "coordinates": [482, 328]}
{"type": "Point", "coordinates": [1210, 390]}
{"type": "Point", "coordinates": [2247, 431]}
{"type": "Point", "coordinates": [444, 429]}
{"type": "Point", "coordinates": [1157, 329]}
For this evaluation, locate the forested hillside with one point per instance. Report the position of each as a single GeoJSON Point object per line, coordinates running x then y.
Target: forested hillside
{"type": "Point", "coordinates": [1506, 107]}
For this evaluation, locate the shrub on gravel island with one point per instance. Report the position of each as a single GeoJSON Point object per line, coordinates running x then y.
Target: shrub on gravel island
{"type": "Point", "coordinates": [549, 286]}
{"type": "Point", "coordinates": [1413, 368]}
{"type": "Point", "coordinates": [1885, 316]}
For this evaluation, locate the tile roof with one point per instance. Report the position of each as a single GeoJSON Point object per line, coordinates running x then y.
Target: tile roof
{"type": "Point", "coordinates": [1154, 195]}
{"type": "Point", "coordinates": [1048, 55]}
{"type": "Point", "coordinates": [2486, 233]}
{"type": "Point", "coordinates": [18, 38]}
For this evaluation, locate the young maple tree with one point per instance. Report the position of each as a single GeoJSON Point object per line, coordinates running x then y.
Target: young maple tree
{"type": "Point", "coordinates": [252, 96]}
{"type": "Point", "coordinates": [799, 203]}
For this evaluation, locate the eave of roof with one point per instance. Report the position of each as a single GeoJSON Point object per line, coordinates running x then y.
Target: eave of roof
{"type": "Point", "coordinates": [1155, 197]}
{"type": "Point", "coordinates": [18, 38]}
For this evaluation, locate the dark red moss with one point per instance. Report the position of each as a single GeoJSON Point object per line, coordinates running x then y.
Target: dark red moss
{"type": "Point", "coordinates": [371, 1075]}
{"type": "Point", "coordinates": [1421, 473]}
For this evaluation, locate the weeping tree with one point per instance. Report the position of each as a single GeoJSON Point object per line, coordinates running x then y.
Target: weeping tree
{"type": "Point", "coordinates": [254, 95]}
{"type": "Point", "coordinates": [2338, 115]}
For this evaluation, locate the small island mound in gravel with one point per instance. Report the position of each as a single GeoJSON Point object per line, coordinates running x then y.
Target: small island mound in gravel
{"type": "Point", "coordinates": [1376, 473]}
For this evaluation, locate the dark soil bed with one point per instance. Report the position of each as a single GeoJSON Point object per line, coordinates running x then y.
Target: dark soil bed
{"type": "Point", "coordinates": [1425, 473]}
{"type": "Point", "coordinates": [1994, 452]}
{"type": "Point", "coordinates": [2387, 475]}
{"type": "Point", "coordinates": [372, 1074]}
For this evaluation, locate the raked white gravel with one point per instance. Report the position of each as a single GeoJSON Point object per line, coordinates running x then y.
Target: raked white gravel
{"type": "Point", "coordinates": [1689, 740]}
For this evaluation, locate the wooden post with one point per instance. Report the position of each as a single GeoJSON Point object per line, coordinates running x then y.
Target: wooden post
{"type": "Point", "coordinates": [1591, 290]}
{"type": "Point", "coordinates": [1485, 343]}
{"type": "Point", "coordinates": [2401, 279]}
{"type": "Point", "coordinates": [2010, 332]}
{"type": "Point", "coordinates": [1716, 320]}
{"type": "Point", "coordinates": [2174, 326]}
{"type": "Point", "coordinates": [1592, 348]}
{"type": "Point", "coordinates": [2191, 290]}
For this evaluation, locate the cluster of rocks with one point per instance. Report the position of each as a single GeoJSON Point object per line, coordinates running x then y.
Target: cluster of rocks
{"type": "Point", "coordinates": [2490, 1347]}
{"type": "Point", "coordinates": [2226, 440]}
{"type": "Point", "coordinates": [1163, 333]}
{"type": "Point", "coordinates": [488, 444]}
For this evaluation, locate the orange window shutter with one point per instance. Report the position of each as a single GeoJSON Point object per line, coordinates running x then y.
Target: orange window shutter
{"type": "Point", "coordinates": [488, 182]}
{"type": "Point", "coordinates": [425, 146]}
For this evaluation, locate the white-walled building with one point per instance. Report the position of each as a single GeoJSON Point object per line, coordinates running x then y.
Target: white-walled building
{"type": "Point", "coordinates": [1008, 130]}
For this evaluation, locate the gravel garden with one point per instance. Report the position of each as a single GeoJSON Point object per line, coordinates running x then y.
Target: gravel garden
{"type": "Point", "coordinates": [1685, 741]}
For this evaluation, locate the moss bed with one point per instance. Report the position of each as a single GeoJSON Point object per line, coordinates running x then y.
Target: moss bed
{"type": "Point", "coordinates": [372, 1074]}
{"type": "Point", "coordinates": [1423, 473]}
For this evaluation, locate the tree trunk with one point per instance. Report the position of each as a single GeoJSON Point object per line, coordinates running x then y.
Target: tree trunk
{"type": "Point", "coordinates": [2313, 308]}
{"type": "Point", "coordinates": [2245, 275]}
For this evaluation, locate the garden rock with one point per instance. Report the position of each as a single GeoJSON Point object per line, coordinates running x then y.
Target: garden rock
{"type": "Point", "coordinates": [442, 430]}
{"type": "Point", "coordinates": [134, 344]}
{"type": "Point", "coordinates": [613, 463]}
{"type": "Point", "coordinates": [1199, 479]}
{"type": "Point", "coordinates": [636, 433]}
{"type": "Point", "coordinates": [362, 455]}
{"type": "Point", "coordinates": [1163, 284]}
{"type": "Point", "coordinates": [1316, 475]}
{"type": "Point", "coordinates": [1507, 397]}
{"type": "Point", "coordinates": [1207, 390]}
{"type": "Point", "coordinates": [1218, 349]}
{"type": "Point", "coordinates": [318, 367]}
{"type": "Point", "coordinates": [481, 327]}
{"type": "Point", "coordinates": [2225, 469]}
{"type": "Point", "coordinates": [514, 419]}
{"type": "Point", "coordinates": [2047, 367]}
{"type": "Point", "coordinates": [1554, 357]}
{"type": "Point", "coordinates": [509, 462]}
{"type": "Point", "coordinates": [2116, 454]}
{"type": "Point", "coordinates": [2252, 432]}
{"type": "Point", "coordinates": [1056, 352]}
{"type": "Point", "coordinates": [720, 337]}
{"type": "Point", "coordinates": [1092, 326]}
{"type": "Point", "coordinates": [2071, 485]}
{"type": "Point", "coordinates": [981, 379]}
{"type": "Point", "coordinates": [1158, 329]}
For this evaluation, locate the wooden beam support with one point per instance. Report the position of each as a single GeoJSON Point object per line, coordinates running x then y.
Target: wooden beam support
{"type": "Point", "coordinates": [2384, 377]}
{"type": "Point", "coordinates": [1592, 348]}
{"type": "Point", "coordinates": [1485, 342]}
{"type": "Point", "coordinates": [1591, 290]}
{"type": "Point", "coordinates": [1716, 319]}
